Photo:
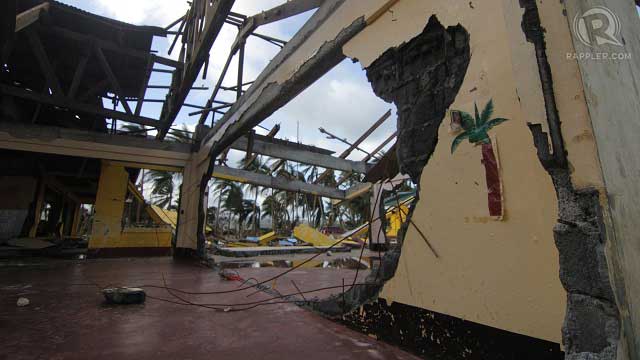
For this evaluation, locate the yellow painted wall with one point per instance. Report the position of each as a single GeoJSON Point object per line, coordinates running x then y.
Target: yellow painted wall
{"type": "Point", "coordinates": [145, 237]}
{"type": "Point", "coordinates": [499, 273]}
{"type": "Point", "coordinates": [107, 229]}
{"type": "Point", "coordinates": [112, 190]}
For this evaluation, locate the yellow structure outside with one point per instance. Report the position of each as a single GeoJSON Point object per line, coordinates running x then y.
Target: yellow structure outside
{"type": "Point", "coordinates": [161, 215]}
{"type": "Point", "coordinates": [265, 239]}
{"type": "Point", "coordinates": [312, 236]}
{"type": "Point", "coordinates": [107, 231]}
{"type": "Point", "coordinates": [145, 237]}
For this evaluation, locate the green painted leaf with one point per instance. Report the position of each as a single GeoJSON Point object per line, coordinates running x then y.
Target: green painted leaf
{"type": "Point", "coordinates": [460, 138]}
{"type": "Point", "coordinates": [467, 121]}
{"type": "Point", "coordinates": [479, 135]}
{"type": "Point", "coordinates": [486, 113]}
{"type": "Point", "coordinates": [494, 122]}
{"type": "Point", "coordinates": [475, 105]}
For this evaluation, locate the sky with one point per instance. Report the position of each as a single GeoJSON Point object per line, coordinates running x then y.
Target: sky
{"type": "Point", "coordinates": [342, 101]}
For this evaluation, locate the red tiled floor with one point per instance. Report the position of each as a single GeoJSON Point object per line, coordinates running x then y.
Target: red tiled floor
{"type": "Point", "coordinates": [66, 320]}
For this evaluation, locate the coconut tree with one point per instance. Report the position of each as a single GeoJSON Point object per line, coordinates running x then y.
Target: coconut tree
{"type": "Point", "coordinates": [163, 181]}
{"type": "Point", "coordinates": [162, 193]}
{"type": "Point", "coordinates": [259, 166]}
{"type": "Point", "coordinates": [476, 130]}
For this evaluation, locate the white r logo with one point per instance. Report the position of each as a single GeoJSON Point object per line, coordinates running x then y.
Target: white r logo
{"type": "Point", "coordinates": [597, 26]}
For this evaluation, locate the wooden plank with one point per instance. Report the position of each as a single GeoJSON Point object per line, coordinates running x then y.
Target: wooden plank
{"type": "Point", "coordinates": [290, 152]}
{"type": "Point", "coordinates": [215, 19]}
{"type": "Point", "coordinates": [28, 17]}
{"type": "Point", "coordinates": [286, 10]}
{"type": "Point", "coordinates": [362, 138]}
{"type": "Point", "coordinates": [258, 103]}
{"type": "Point", "coordinates": [77, 77]}
{"type": "Point", "coordinates": [143, 87]}
{"type": "Point", "coordinates": [113, 47]}
{"type": "Point", "coordinates": [112, 79]}
{"type": "Point", "coordinates": [76, 106]}
{"type": "Point", "coordinates": [249, 177]}
{"type": "Point", "coordinates": [45, 64]}
{"type": "Point", "coordinates": [86, 144]}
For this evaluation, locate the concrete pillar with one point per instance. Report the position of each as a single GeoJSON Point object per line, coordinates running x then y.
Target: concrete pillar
{"type": "Point", "coordinates": [109, 206]}
{"type": "Point", "coordinates": [188, 216]}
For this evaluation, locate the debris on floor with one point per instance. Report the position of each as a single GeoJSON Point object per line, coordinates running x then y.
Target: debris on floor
{"type": "Point", "coordinates": [23, 301]}
{"type": "Point", "coordinates": [124, 295]}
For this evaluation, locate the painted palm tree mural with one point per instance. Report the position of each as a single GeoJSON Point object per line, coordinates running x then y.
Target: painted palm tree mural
{"type": "Point", "coordinates": [476, 130]}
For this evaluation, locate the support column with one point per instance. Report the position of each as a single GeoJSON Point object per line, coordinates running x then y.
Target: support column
{"type": "Point", "coordinates": [107, 222]}
{"type": "Point", "coordinates": [38, 208]}
{"type": "Point", "coordinates": [76, 220]}
{"type": "Point", "coordinates": [191, 208]}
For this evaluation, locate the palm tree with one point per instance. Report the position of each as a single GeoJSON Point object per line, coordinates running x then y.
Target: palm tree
{"type": "Point", "coordinates": [258, 166]}
{"type": "Point", "coordinates": [476, 131]}
{"type": "Point", "coordinates": [220, 187]}
{"type": "Point", "coordinates": [232, 200]}
{"type": "Point", "coordinates": [182, 135]}
{"type": "Point", "coordinates": [163, 181]}
{"type": "Point", "coordinates": [272, 206]}
{"type": "Point", "coordinates": [162, 193]}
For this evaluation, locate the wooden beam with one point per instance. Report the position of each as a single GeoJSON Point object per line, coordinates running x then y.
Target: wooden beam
{"type": "Point", "coordinates": [368, 157]}
{"type": "Point", "coordinates": [57, 186]}
{"type": "Point", "coordinates": [45, 64]}
{"type": "Point", "coordinates": [366, 134]}
{"type": "Point", "coordinates": [28, 17]}
{"type": "Point", "coordinates": [76, 106]}
{"type": "Point", "coordinates": [381, 146]}
{"type": "Point", "coordinates": [249, 177]}
{"type": "Point", "coordinates": [286, 10]}
{"type": "Point", "coordinates": [269, 92]}
{"type": "Point", "coordinates": [289, 151]}
{"type": "Point", "coordinates": [112, 79]}
{"type": "Point", "coordinates": [174, 103]}
{"type": "Point", "coordinates": [251, 157]}
{"type": "Point", "coordinates": [77, 77]}
{"type": "Point", "coordinates": [355, 145]}
{"type": "Point", "coordinates": [114, 47]}
{"type": "Point", "coordinates": [143, 87]}
{"type": "Point", "coordinates": [87, 144]}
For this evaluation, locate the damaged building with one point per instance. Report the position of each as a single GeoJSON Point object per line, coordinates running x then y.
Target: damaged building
{"type": "Point", "coordinates": [497, 221]}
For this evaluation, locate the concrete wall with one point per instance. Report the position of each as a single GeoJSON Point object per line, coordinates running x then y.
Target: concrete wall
{"type": "Point", "coordinates": [501, 272]}
{"type": "Point", "coordinates": [612, 94]}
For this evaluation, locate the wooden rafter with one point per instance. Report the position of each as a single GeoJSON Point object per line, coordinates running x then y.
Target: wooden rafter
{"type": "Point", "coordinates": [77, 76]}
{"type": "Point", "coordinates": [28, 17]}
{"type": "Point", "coordinates": [45, 64]}
{"type": "Point", "coordinates": [112, 79]}
{"type": "Point", "coordinates": [76, 106]}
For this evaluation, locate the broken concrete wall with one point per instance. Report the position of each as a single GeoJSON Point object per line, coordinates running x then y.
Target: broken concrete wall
{"type": "Point", "coordinates": [498, 272]}
{"type": "Point", "coordinates": [612, 90]}
{"type": "Point", "coordinates": [502, 273]}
